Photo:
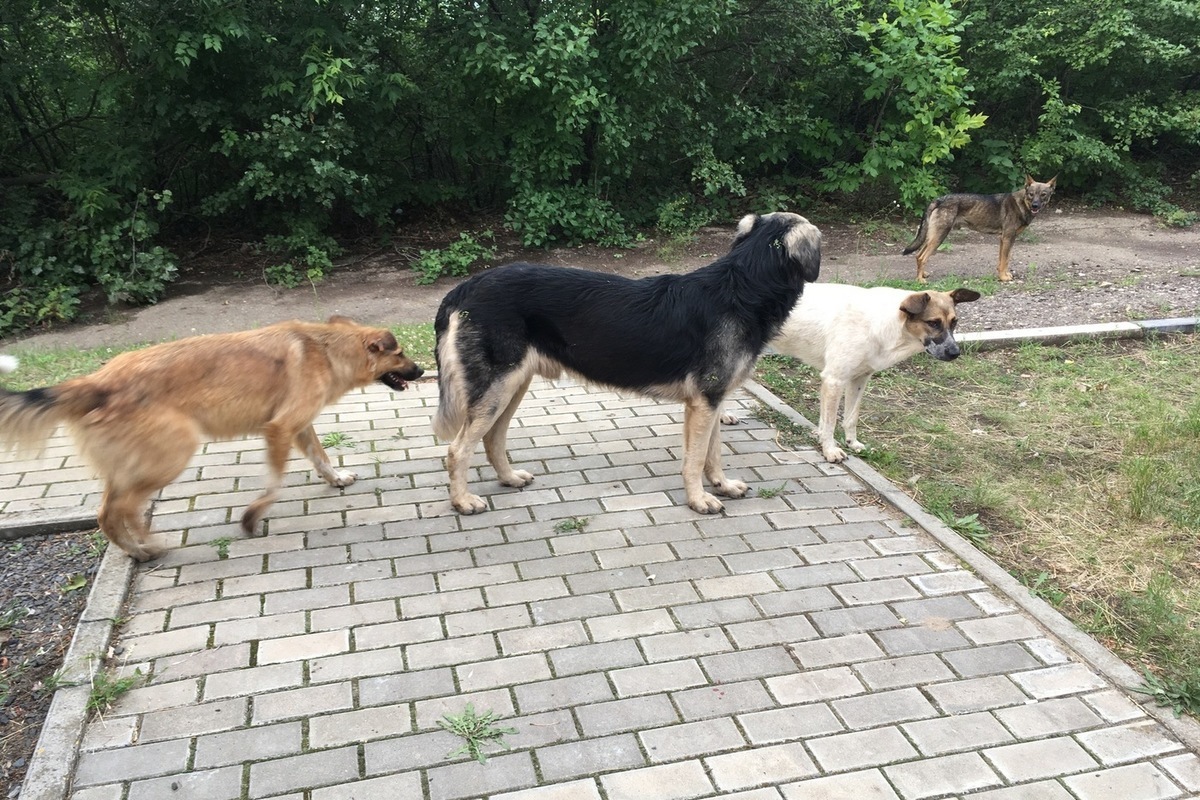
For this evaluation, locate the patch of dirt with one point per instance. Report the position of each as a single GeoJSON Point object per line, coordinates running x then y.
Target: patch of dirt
{"type": "Point", "coordinates": [1071, 265]}
{"type": "Point", "coordinates": [44, 587]}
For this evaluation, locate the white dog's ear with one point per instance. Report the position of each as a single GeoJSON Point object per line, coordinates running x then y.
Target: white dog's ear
{"type": "Point", "coordinates": [964, 296]}
{"type": "Point", "coordinates": [914, 304]}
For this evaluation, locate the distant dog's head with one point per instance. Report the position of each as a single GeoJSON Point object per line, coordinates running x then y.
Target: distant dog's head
{"type": "Point", "coordinates": [385, 358]}
{"type": "Point", "coordinates": [790, 233]}
{"type": "Point", "coordinates": [1038, 193]}
{"type": "Point", "coordinates": [930, 317]}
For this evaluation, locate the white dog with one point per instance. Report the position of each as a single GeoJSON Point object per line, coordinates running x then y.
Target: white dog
{"type": "Point", "coordinates": [849, 333]}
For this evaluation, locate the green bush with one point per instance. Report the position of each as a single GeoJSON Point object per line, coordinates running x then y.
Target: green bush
{"type": "Point", "coordinates": [456, 259]}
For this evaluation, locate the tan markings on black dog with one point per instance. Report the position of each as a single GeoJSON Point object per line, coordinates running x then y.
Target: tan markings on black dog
{"type": "Point", "coordinates": [139, 419]}
{"type": "Point", "coordinates": [1003, 214]}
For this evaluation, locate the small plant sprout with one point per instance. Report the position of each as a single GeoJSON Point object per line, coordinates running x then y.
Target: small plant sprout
{"type": "Point", "coordinates": [772, 491]}
{"type": "Point", "coordinates": [570, 525]}
{"type": "Point", "coordinates": [336, 439]}
{"type": "Point", "coordinates": [222, 545]}
{"type": "Point", "coordinates": [107, 689]}
{"type": "Point", "coordinates": [477, 730]}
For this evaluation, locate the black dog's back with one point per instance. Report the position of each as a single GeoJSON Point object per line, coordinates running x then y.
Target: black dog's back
{"type": "Point", "coordinates": [627, 333]}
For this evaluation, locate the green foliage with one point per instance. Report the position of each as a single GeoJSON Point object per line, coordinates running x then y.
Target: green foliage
{"type": "Point", "coordinates": [456, 259]}
{"type": "Point", "coordinates": [339, 119]}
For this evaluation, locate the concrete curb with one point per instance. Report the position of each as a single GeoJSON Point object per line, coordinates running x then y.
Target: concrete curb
{"type": "Point", "coordinates": [988, 340]}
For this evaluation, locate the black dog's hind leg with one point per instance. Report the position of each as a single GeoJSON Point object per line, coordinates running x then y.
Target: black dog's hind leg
{"type": "Point", "coordinates": [495, 442]}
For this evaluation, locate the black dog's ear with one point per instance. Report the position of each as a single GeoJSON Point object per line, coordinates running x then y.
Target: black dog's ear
{"type": "Point", "coordinates": [914, 304]}
{"type": "Point", "coordinates": [964, 296]}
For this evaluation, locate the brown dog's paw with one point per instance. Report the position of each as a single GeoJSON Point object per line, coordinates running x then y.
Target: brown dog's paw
{"type": "Point", "coordinates": [518, 479]}
{"type": "Point", "coordinates": [731, 488]}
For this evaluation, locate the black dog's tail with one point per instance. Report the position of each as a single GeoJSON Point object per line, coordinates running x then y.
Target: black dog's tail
{"type": "Point", "coordinates": [452, 402]}
{"type": "Point", "coordinates": [919, 239]}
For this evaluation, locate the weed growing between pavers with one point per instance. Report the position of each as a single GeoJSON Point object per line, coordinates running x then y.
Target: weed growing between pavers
{"type": "Point", "coordinates": [478, 730]}
{"type": "Point", "coordinates": [1076, 467]}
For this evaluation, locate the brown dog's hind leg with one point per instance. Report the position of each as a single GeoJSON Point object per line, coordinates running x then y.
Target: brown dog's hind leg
{"type": "Point", "coordinates": [279, 446]}
{"type": "Point", "coordinates": [122, 517]}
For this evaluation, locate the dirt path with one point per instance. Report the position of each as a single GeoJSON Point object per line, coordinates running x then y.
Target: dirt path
{"type": "Point", "coordinates": [1072, 266]}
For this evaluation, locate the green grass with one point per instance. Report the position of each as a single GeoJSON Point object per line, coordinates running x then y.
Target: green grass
{"type": "Point", "coordinates": [47, 367]}
{"type": "Point", "coordinates": [1077, 468]}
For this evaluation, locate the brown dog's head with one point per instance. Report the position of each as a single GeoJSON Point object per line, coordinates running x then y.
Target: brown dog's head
{"type": "Point", "coordinates": [385, 357]}
{"type": "Point", "coordinates": [1038, 193]}
{"type": "Point", "coordinates": [930, 317]}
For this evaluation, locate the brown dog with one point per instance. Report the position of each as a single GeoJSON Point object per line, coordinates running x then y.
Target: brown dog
{"type": "Point", "coordinates": [1005, 214]}
{"type": "Point", "coordinates": [139, 419]}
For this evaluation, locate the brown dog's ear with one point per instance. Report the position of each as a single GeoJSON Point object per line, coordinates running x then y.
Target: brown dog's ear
{"type": "Point", "coordinates": [382, 341]}
{"type": "Point", "coordinates": [914, 304]}
{"type": "Point", "coordinates": [964, 296]}
{"type": "Point", "coordinates": [338, 319]}
{"type": "Point", "coordinates": [1052, 181]}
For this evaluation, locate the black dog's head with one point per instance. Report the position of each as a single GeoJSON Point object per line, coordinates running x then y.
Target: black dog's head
{"type": "Point", "coordinates": [795, 237]}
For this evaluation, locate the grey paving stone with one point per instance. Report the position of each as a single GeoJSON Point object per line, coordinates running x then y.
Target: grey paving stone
{"type": "Point", "coordinates": [991, 660]}
{"type": "Point", "coordinates": [976, 694]}
{"type": "Point", "coordinates": [212, 784]}
{"type": "Point", "coordinates": [883, 708]}
{"type": "Point", "coordinates": [1048, 717]}
{"type": "Point", "coordinates": [249, 744]}
{"type": "Point", "coordinates": [954, 734]}
{"type": "Point", "coordinates": [786, 724]}
{"type": "Point", "coordinates": [743, 664]}
{"type": "Point", "coordinates": [471, 779]}
{"type": "Point", "coordinates": [590, 757]}
{"type": "Point", "coordinates": [618, 716]}
{"type": "Point", "coordinates": [936, 777]}
{"type": "Point", "coordinates": [595, 657]}
{"type": "Point", "coordinates": [691, 739]}
{"type": "Point", "coordinates": [131, 763]}
{"type": "Point", "coordinates": [855, 751]}
{"type": "Point", "coordinates": [562, 693]}
{"type": "Point", "coordinates": [724, 700]}
{"type": "Point", "coordinates": [1044, 758]}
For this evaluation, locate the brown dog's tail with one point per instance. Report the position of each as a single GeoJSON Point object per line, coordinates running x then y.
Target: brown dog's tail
{"type": "Point", "coordinates": [28, 418]}
{"type": "Point", "coordinates": [920, 237]}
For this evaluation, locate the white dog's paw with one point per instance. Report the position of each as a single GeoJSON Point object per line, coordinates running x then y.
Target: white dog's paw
{"type": "Point", "coordinates": [342, 477]}
{"type": "Point", "coordinates": [730, 419]}
{"type": "Point", "coordinates": [731, 488]}
{"type": "Point", "coordinates": [705, 503]}
{"type": "Point", "coordinates": [518, 479]}
{"type": "Point", "coordinates": [469, 504]}
{"type": "Point", "coordinates": [833, 454]}
{"type": "Point", "coordinates": [856, 445]}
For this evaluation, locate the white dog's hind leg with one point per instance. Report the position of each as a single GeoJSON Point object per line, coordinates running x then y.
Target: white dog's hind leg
{"type": "Point", "coordinates": [831, 396]}
{"type": "Point", "coordinates": [854, 396]}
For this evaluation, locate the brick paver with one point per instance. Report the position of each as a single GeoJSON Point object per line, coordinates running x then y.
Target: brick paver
{"type": "Point", "coordinates": [802, 645]}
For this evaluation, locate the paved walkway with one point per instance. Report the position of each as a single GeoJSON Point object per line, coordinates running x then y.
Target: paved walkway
{"type": "Point", "coordinates": [816, 641]}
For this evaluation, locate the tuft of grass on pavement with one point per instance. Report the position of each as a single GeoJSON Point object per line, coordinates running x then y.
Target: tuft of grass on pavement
{"type": "Point", "coordinates": [478, 730]}
{"type": "Point", "coordinates": [1076, 467]}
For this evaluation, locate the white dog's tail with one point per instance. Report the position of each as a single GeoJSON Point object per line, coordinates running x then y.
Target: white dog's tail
{"type": "Point", "coordinates": [8, 363]}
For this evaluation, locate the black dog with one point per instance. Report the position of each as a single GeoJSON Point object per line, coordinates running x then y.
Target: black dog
{"type": "Point", "coordinates": [692, 338]}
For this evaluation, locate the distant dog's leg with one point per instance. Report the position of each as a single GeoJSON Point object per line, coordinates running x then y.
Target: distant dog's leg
{"type": "Point", "coordinates": [699, 419]}
{"type": "Point", "coordinates": [495, 443]}
{"type": "Point", "coordinates": [279, 445]}
{"type": "Point", "coordinates": [1006, 243]}
{"type": "Point", "coordinates": [712, 465]}
{"type": "Point", "coordinates": [307, 442]}
{"type": "Point", "coordinates": [935, 233]}
{"type": "Point", "coordinates": [831, 397]}
{"type": "Point", "coordinates": [854, 395]}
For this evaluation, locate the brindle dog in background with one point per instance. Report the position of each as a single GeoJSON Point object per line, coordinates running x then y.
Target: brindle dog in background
{"type": "Point", "coordinates": [1005, 214]}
